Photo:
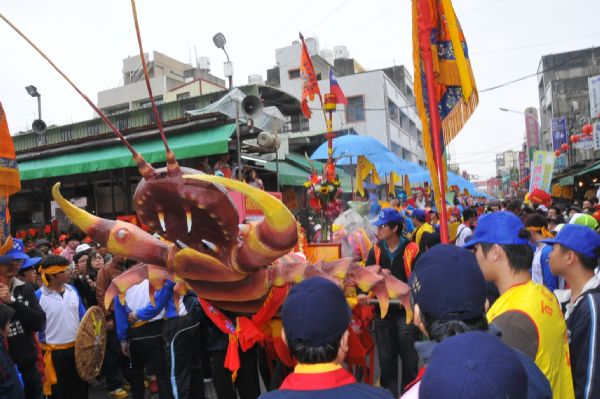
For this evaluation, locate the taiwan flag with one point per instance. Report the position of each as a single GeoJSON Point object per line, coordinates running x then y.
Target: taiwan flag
{"type": "Point", "coordinates": [334, 88]}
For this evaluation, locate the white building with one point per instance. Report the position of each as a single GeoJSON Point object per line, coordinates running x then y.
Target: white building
{"type": "Point", "coordinates": [380, 102]}
{"type": "Point", "coordinates": [170, 80]}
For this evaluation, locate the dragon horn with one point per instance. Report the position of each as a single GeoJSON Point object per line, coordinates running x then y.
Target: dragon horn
{"type": "Point", "coordinates": [277, 215]}
{"type": "Point", "coordinates": [8, 244]}
{"type": "Point", "coordinates": [87, 222]}
{"type": "Point", "coordinates": [121, 238]}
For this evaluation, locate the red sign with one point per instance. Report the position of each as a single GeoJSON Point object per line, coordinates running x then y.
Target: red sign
{"type": "Point", "coordinates": [246, 207]}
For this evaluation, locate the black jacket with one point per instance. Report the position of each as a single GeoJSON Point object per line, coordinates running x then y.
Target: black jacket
{"type": "Point", "coordinates": [29, 318]}
{"type": "Point", "coordinates": [10, 386]}
{"type": "Point", "coordinates": [583, 325]}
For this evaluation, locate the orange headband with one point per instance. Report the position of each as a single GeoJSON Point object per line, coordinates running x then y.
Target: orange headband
{"type": "Point", "coordinates": [51, 271]}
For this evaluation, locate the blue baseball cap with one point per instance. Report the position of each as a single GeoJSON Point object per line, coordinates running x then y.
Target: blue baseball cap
{"type": "Point", "coordinates": [580, 239]}
{"type": "Point", "coordinates": [474, 365]}
{"type": "Point", "coordinates": [315, 312]}
{"type": "Point", "coordinates": [419, 214]}
{"type": "Point", "coordinates": [498, 228]}
{"type": "Point", "coordinates": [388, 215]}
{"type": "Point", "coordinates": [18, 253]}
{"type": "Point", "coordinates": [463, 299]}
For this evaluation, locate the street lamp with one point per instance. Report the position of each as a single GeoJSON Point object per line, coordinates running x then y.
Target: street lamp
{"type": "Point", "coordinates": [32, 91]}
{"type": "Point", "coordinates": [219, 41]}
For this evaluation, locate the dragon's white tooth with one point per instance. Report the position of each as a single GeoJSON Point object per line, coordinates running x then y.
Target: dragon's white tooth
{"type": "Point", "coordinates": [161, 219]}
{"type": "Point", "coordinates": [210, 245]}
{"type": "Point", "coordinates": [188, 218]}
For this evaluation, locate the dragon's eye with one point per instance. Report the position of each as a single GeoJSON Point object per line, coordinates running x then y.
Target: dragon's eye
{"type": "Point", "coordinates": [121, 234]}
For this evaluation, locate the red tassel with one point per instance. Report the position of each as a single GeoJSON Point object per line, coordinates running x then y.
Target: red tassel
{"type": "Point", "coordinates": [232, 358]}
{"type": "Point", "coordinates": [248, 333]}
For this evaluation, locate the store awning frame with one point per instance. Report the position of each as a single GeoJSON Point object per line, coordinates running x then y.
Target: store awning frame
{"type": "Point", "coordinates": [187, 145]}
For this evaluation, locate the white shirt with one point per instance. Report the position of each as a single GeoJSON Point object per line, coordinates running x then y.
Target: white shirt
{"type": "Point", "coordinates": [137, 297]}
{"type": "Point", "coordinates": [536, 266]}
{"type": "Point", "coordinates": [464, 232]}
{"type": "Point", "coordinates": [63, 313]}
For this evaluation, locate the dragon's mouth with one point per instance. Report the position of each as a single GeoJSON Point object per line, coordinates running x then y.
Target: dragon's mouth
{"type": "Point", "coordinates": [201, 216]}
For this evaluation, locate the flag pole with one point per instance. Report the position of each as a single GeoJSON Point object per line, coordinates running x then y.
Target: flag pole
{"type": "Point", "coordinates": [424, 20]}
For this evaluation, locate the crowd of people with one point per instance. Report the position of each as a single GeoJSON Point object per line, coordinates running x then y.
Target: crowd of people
{"type": "Point", "coordinates": [508, 309]}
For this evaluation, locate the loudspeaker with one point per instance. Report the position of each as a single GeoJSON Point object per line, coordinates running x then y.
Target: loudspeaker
{"type": "Point", "coordinates": [251, 105]}
{"type": "Point", "coordinates": [268, 141]}
{"type": "Point", "coordinates": [39, 126]}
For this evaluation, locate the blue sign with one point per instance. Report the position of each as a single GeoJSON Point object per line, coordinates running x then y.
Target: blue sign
{"type": "Point", "coordinates": [559, 132]}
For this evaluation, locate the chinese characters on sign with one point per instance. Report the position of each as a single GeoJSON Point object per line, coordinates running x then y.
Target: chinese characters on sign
{"type": "Point", "coordinates": [559, 132]}
{"type": "Point", "coordinates": [542, 167]}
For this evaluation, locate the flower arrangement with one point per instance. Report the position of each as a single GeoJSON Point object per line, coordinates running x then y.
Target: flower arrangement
{"type": "Point", "coordinates": [324, 194]}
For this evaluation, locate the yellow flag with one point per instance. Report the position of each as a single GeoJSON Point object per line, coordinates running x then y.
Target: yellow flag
{"type": "Point", "coordinates": [394, 179]}
{"type": "Point", "coordinates": [376, 178]}
{"type": "Point", "coordinates": [407, 186]}
{"type": "Point", "coordinates": [363, 168]}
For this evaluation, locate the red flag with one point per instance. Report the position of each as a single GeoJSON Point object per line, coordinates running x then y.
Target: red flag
{"type": "Point", "coordinates": [310, 85]}
{"type": "Point", "coordinates": [334, 88]}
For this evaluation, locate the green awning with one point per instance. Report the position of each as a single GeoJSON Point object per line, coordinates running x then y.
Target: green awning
{"type": "Point", "coordinates": [589, 169]}
{"type": "Point", "coordinates": [289, 175]}
{"type": "Point", "coordinates": [292, 175]}
{"type": "Point", "coordinates": [566, 181]}
{"type": "Point", "coordinates": [188, 145]}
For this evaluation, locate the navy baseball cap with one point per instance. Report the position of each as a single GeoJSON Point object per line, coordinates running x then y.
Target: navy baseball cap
{"type": "Point", "coordinates": [18, 253]}
{"type": "Point", "coordinates": [580, 239]}
{"type": "Point", "coordinates": [388, 215]}
{"type": "Point", "coordinates": [447, 283]}
{"type": "Point", "coordinates": [419, 214]}
{"type": "Point", "coordinates": [498, 228]}
{"type": "Point", "coordinates": [315, 312]}
{"type": "Point", "coordinates": [474, 365]}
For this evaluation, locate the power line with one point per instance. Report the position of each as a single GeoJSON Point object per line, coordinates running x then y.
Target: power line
{"type": "Point", "coordinates": [531, 75]}
{"type": "Point", "coordinates": [286, 25]}
{"type": "Point", "coordinates": [507, 50]}
{"type": "Point", "coordinates": [342, 4]}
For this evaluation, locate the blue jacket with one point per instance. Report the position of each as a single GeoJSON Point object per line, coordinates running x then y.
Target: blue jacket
{"type": "Point", "coordinates": [583, 325]}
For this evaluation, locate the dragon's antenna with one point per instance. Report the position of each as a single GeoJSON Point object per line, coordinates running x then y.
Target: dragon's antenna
{"type": "Point", "coordinates": [172, 165]}
{"type": "Point", "coordinates": [146, 170]}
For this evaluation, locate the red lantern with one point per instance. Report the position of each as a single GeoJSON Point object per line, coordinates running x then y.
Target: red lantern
{"type": "Point", "coordinates": [32, 232]}
{"type": "Point", "coordinates": [574, 138]}
{"type": "Point", "coordinates": [564, 147]}
{"type": "Point", "coordinates": [557, 153]}
{"type": "Point", "coordinates": [587, 128]}
{"type": "Point", "coordinates": [47, 229]}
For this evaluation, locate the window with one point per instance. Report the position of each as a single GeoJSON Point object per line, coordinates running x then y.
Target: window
{"type": "Point", "coordinates": [183, 96]}
{"type": "Point", "coordinates": [66, 134]}
{"type": "Point", "coordinates": [93, 128]}
{"type": "Point", "coordinates": [122, 123]}
{"type": "Point", "coordinates": [299, 123]}
{"type": "Point", "coordinates": [393, 112]}
{"type": "Point", "coordinates": [294, 73]}
{"type": "Point", "coordinates": [355, 110]}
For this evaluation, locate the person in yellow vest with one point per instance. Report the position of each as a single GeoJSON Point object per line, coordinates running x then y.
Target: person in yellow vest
{"type": "Point", "coordinates": [421, 226]}
{"type": "Point", "coordinates": [527, 313]}
{"type": "Point", "coordinates": [394, 337]}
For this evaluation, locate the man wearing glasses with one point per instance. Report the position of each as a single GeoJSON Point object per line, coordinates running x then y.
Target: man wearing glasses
{"type": "Point", "coordinates": [394, 337]}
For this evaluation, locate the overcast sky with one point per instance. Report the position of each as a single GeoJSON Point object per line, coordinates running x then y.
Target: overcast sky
{"type": "Point", "coordinates": [88, 40]}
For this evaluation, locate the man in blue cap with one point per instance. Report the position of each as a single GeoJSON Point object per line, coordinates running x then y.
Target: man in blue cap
{"type": "Point", "coordinates": [29, 318]}
{"type": "Point", "coordinates": [315, 319]}
{"type": "Point", "coordinates": [442, 310]}
{"type": "Point", "coordinates": [474, 365]}
{"type": "Point", "coordinates": [528, 315]}
{"type": "Point", "coordinates": [394, 337]}
{"type": "Point", "coordinates": [574, 256]}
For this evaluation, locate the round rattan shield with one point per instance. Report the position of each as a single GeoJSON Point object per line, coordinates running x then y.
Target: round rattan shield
{"type": "Point", "coordinates": [90, 344]}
